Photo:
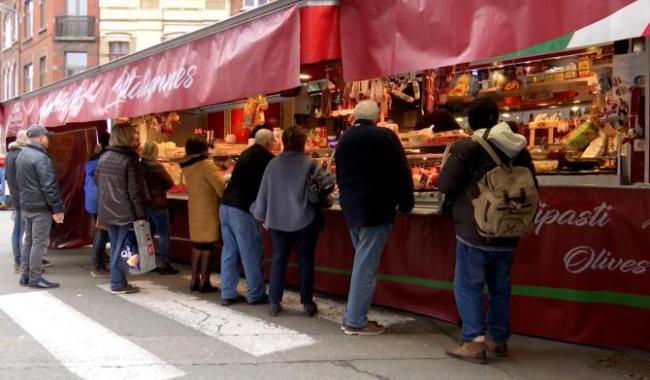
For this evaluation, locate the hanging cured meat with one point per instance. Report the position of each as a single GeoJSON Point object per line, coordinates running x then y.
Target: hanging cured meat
{"type": "Point", "coordinates": [428, 95]}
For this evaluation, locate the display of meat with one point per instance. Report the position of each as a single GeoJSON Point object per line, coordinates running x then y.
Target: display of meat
{"type": "Point", "coordinates": [426, 178]}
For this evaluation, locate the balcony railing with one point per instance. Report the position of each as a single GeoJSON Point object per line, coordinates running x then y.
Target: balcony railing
{"type": "Point", "coordinates": [75, 28]}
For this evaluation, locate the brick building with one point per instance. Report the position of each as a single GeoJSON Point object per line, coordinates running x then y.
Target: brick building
{"type": "Point", "coordinates": [50, 40]}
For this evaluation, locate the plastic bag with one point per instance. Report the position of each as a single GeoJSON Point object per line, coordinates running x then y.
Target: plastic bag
{"type": "Point", "coordinates": [138, 250]}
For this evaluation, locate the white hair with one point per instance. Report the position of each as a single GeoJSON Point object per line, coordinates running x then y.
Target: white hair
{"type": "Point", "coordinates": [264, 137]}
{"type": "Point", "coordinates": [366, 110]}
{"type": "Point", "coordinates": [21, 137]}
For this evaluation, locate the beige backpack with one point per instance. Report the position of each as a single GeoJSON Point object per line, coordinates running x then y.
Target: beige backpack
{"type": "Point", "coordinates": [508, 199]}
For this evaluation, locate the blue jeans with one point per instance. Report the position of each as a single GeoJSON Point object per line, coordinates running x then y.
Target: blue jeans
{"type": "Point", "coordinates": [118, 235]}
{"type": "Point", "coordinates": [159, 223]}
{"type": "Point", "coordinates": [476, 268]}
{"type": "Point", "coordinates": [283, 243]}
{"type": "Point", "coordinates": [17, 235]}
{"type": "Point", "coordinates": [368, 245]}
{"type": "Point", "coordinates": [241, 239]}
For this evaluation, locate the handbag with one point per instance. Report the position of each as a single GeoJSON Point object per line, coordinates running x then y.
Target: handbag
{"type": "Point", "coordinates": [320, 186]}
{"type": "Point", "coordinates": [137, 250]}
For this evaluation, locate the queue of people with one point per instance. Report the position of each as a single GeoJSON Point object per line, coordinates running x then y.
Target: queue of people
{"type": "Point", "coordinates": [285, 195]}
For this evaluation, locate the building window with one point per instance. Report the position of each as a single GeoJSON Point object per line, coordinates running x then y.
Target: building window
{"type": "Point", "coordinates": [249, 4]}
{"type": "Point", "coordinates": [8, 31]}
{"type": "Point", "coordinates": [76, 7]}
{"type": "Point", "coordinates": [117, 49]}
{"type": "Point", "coordinates": [5, 84]}
{"type": "Point", "coordinates": [29, 18]}
{"type": "Point", "coordinates": [42, 70]}
{"type": "Point", "coordinates": [150, 4]}
{"type": "Point", "coordinates": [75, 62]}
{"type": "Point", "coordinates": [43, 19]}
{"type": "Point", "coordinates": [28, 78]}
{"type": "Point", "coordinates": [13, 76]}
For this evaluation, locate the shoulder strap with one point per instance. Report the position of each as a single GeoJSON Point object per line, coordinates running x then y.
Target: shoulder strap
{"type": "Point", "coordinates": [488, 148]}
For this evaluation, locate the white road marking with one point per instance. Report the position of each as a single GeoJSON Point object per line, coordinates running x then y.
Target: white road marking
{"type": "Point", "coordinates": [249, 334]}
{"type": "Point", "coordinates": [85, 347]}
{"type": "Point", "coordinates": [328, 309]}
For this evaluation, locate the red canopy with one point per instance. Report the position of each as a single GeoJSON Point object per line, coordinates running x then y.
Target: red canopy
{"type": "Point", "coordinates": [260, 55]}
{"type": "Point", "coordinates": [382, 37]}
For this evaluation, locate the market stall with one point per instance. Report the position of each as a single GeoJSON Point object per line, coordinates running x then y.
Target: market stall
{"type": "Point", "coordinates": [581, 276]}
{"type": "Point", "coordinates": [180, 74]}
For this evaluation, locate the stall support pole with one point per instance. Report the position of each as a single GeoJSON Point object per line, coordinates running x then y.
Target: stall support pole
{"type": "Point", "coordinates": [646, 132]}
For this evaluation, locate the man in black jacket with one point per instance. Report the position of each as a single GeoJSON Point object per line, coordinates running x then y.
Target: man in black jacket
{"type": "Point", "coordinates": [40, 201]}
{"type": "Point", "coordinates": [374, 180]}
{"type": "Point", "coordinates": [11, 175]}
{"type": "Point", "coordinates": [239, 230]}
{"type": "Point", "coordinates": [479, 260]}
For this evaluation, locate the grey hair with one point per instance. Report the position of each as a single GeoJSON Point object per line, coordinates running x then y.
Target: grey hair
{"type": "Point", "coordinates": [366, 110]}
{"type": "Point", "coordinates": [21, 138]}
{"type": "Point", "coordinates": [264, 137]}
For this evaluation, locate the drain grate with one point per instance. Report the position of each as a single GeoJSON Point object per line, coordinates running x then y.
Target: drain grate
{"type": "Point", "coordinates": [635, 365]}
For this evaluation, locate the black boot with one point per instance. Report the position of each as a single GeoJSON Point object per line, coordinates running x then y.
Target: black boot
{"type": "Point", "coordinates": [195, 282]}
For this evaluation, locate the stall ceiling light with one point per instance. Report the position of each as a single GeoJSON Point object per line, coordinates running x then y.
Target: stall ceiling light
{"type": "Point", "coordinates": [305, 77]}
{"type": "Point", "coordinates": [459, 119]}
{"type": "Point", "coordinates": [575, 108]}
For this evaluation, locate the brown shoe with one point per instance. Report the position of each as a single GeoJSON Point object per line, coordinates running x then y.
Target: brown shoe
{"type": "Point", "coordinates": [470, 351]}
{"type": "Point", "coordinates": [498, 349]}
{"type": "Point", "coordinates": [126, 289]}
{"type": "Point", "coordinates": [100, 273]}
{"type": "Point", "coordinates": [372, 328]}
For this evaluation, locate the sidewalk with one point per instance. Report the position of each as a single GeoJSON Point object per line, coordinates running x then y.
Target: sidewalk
{"type": "Point", "coordinates": [194, 337]}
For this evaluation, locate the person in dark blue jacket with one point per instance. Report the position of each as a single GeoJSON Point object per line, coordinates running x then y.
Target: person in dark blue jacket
{"type": "Point", "coordinates": [100, 236]}
{"type": "Point", "coordinates": [12, 180]}
{"type": "Point", "coordinates": [374, 182]}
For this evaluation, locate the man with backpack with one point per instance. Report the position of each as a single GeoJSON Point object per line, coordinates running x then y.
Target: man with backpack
{"type": "Point", "coordinates": [489, 181]}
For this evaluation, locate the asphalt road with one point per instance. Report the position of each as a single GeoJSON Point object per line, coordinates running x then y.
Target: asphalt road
{"type": "Point", "coordinates": [82, 331]}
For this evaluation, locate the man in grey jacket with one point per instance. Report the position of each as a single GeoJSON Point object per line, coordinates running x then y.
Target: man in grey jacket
{"type": "Point", "coordinates": [40, 202]}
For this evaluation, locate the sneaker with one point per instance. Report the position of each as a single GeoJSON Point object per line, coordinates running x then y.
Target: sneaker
{"type": "Point", "coordinates": [100, 273]}
{"type": "Point", "coordinates": [166, 269]}
{"type": "Point", "coordinates": [16, 268]}
{"type": "Point", "coordinates": [126, 289]}
{"type": "Point", "coordinates": [498, 349]}
{"type": "Point", "coordinates": [24, 280]}
{"type": "Point", "coordinates": [262, 301]}
{"type": "Point", "coordinates": [46, 263]}
{"type": "Point", "coordinates": [43, 284]}
{"type": "Point", "coordinates": [469, 351]}
{"type": "Point", "coordinates": [232, 301]}
{"type": "Point", "coordinates": [372, 328]}
{"type": "Point", "coordinates": [274, 309]}
{"type": "Point", "coordinates": [310, 309]}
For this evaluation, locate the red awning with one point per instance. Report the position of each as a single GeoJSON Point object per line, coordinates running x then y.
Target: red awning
{"type": "Point", "coordinates": [382, 37]}
{"type": "Point", "coordinates": [260, 55]}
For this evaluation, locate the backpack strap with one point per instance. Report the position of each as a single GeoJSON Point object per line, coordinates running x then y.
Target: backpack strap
{"type": "Point", "coordinates": [490, 151]}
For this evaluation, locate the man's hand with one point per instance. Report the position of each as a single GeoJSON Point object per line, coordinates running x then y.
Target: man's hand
{"type": "Point", "coordinates": [58, 218]}
{"type": "Point", "coordinates": [139, 222]}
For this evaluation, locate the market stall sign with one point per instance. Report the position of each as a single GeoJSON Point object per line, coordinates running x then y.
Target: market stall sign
{"type": "Point", "coordinates": [211, 70]}
{"type": "Point", "coordinates": [390, 36]}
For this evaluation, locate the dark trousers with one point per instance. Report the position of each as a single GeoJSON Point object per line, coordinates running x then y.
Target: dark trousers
{"type": "Point", "coordinates": [100, 239]}
{"type": "Point", "coordinates": [304, 241]}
